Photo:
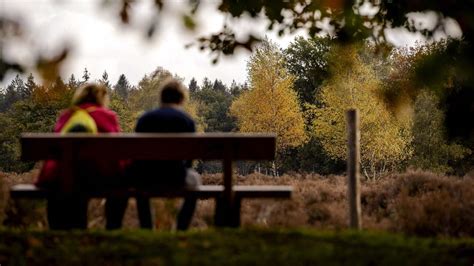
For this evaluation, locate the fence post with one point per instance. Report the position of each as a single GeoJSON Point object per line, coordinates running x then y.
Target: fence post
{"type": "Point", "coordinates": [353, 168]}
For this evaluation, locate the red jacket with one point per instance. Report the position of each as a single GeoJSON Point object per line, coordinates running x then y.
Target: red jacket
{"type": "Point", "coordinates": [106, 121]}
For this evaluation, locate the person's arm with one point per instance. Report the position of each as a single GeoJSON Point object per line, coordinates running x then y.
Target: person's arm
{"type": "Point", "coordinates": [62, 119]}
{"type": "Point", "coordinates": [114, 125]}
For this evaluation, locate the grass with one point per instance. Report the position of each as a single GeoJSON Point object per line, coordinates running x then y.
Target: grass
{"type": "Point", "coordinates": [229, 247]}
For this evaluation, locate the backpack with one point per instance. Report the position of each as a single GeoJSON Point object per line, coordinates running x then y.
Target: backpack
{"type": "Point", "coordinates": [80, 121]}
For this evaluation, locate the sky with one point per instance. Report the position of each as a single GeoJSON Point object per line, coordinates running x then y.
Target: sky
{"type": "Point", "coordinates": [100, 42]}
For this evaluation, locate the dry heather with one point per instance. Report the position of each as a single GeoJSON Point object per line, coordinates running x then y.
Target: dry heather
{"type": "Point", "coordinates": [415, 203]}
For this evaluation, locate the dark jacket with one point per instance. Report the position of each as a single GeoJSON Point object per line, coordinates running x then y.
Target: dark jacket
{"type": "Point", "coordinates": [173, 173]}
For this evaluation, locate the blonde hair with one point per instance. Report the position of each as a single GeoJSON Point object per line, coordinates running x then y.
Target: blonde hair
{"type": "Point", "coordinates": [91, 93]}
{"type": "Point", "coordinates": [173, 91]}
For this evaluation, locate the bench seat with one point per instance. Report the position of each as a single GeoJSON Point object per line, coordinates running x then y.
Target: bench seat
{"type": "Point", "coordinates": [201, 192]}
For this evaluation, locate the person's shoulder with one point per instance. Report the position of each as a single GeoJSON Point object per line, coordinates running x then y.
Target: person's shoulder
{"type": "Point", "coordinates": [65, 113]}
{"type": "Point", "coordinates": [100, 110]}
{"type": "Point", "coordinates": [188, 120]}
{"type": "Point", "coordinates": [165, 113]}
{"type": "Point", "coordinates": [107, 111]}
{"type": "Point", "coordinates": [184, 114]}
{"type": "Point", "coordinates": [149, 114]}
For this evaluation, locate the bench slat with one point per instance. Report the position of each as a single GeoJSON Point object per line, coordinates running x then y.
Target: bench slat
{"type": "Point", "coordinates": [202, 192]}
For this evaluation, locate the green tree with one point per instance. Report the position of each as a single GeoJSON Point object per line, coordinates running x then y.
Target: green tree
{"type": "Point", "coordinates": [384, 139]}
{"type": "Point", "coordinates": [271, 105]}
{"type": "Point", "coordinates": [193, 86]}
{"type": "Point", "coordinates": [219, 86]}
{"type": "Point", "coordinates": [30, 86]}
{"type": "Point", "coordinates": [86, 76]}
{"type": "Point", "coordinates": [431, 149]}
{"type": "Point", "coordinates": [72, 83]}
{"type": "Point", "coordinates": [2, 99]}
{"type": "Point", "coordinates": [122, 87]}
{"type": "Point", "coordinates": [11, 97]}
{"type": "Point", "coordinates": [9, 153]}
{"type": "Point", "coordinates": [104, 80]}
{"type": "Point", "coordinates": [307, 59]}
{"type": "Point", "coordinates": [19, 86]}
{"type": "Point", "coordinates": [234, 89]}
{"type": "Point", "coordinates": [213, 102]}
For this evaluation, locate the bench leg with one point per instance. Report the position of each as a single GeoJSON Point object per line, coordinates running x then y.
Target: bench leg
{"type": "Point", "coordinates": [227, 214]}
{"type": "Point", "coordinates": [67, 212]}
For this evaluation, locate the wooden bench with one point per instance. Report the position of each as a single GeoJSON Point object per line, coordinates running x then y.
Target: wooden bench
{"type": "Point", "coordinates": [227, 147]}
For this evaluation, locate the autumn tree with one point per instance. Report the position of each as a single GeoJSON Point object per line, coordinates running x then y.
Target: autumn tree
{"type": "Point", "coordinates": [384, 138]}
{"type": "Point", "coordinates": [36, 113]}
{"type": "Point", "coordinates": [146, 96]}
{"type": "Point", "coordinates": [271, 105]}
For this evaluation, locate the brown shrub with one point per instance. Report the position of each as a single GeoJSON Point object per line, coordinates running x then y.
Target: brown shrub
{"type": "Point", "coordinates": [417, 203]}
{"type": "Point", "coordinates": [434, 205]}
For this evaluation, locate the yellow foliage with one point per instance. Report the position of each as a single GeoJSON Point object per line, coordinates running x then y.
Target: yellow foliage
{"type": "Point", "coordinates": [191, 107]}
{"type": "Point", "coordinates": [384, 139]}
{"type": "Point", "coordinates": [271, 105]}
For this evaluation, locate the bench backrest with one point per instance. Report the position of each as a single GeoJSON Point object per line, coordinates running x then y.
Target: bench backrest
{"type": "Point", "coordinates": [206, 146]}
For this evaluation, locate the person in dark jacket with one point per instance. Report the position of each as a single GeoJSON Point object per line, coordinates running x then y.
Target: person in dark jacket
{"type": "Point", "coordinates": [170, 117]}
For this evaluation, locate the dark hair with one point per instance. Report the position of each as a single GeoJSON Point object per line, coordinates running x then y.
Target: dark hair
{"type": "Point", "coordinates": [173, 91]}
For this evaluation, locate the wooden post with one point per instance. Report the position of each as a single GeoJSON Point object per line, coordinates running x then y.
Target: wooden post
{"type": "Point", "coordinates": [353, 168]}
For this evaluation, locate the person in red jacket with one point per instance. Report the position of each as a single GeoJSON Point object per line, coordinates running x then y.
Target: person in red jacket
{"type": "Point", "coordinates": [70, 211]}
